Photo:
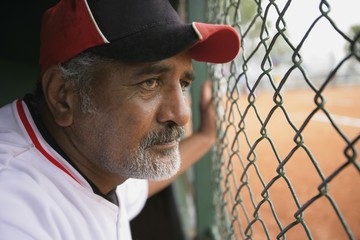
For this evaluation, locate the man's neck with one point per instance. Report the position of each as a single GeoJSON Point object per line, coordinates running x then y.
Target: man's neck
{"type": "Point", "coordinates": [102, 183]}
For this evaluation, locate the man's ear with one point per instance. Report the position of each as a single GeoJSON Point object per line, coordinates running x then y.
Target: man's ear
{"type": "Point", "coordinates": [59, 96]}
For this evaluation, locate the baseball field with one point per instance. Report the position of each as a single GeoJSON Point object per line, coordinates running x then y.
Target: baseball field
{"type": "Point", "coordinates": [310, 148]}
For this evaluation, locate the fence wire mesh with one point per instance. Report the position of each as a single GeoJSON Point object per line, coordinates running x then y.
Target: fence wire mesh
{"type": "Point", "coordinates": [286, 163]}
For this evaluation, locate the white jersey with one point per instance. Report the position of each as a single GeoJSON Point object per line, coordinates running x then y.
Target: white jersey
{"type": "Point", "coordinates": [43, 197]}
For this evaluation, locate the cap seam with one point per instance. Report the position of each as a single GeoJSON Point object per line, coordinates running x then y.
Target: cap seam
{"type": "Point", "coordinates": [95, 23]}
{"type": "Point", "coordinates": [198, 33]}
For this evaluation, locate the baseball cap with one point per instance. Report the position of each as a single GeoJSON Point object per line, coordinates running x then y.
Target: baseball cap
{"type": "Point", "coordinates": [130, 30]}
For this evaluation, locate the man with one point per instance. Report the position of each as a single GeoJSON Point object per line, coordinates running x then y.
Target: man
{"type": "Point", "coordinates": [107, 116]}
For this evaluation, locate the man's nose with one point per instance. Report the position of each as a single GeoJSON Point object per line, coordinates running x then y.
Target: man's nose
{"type": "Point", "coordinates": [174, 108]}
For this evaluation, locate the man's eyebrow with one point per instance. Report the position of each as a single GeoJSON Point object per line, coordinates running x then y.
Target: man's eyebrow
{"type": "Point", "coordinates": [190, 76]}
{"type": "Point", "coordinates": [158, 69]}
{"type": "Point", "coordinates": [152, 69]}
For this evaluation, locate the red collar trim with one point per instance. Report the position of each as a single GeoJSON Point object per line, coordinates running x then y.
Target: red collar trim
{"type": "Point", "coordinates": [37, 143]}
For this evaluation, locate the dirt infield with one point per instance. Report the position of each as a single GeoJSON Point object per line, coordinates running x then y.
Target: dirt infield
{"type": "Point", "coordinates": [321, 142]}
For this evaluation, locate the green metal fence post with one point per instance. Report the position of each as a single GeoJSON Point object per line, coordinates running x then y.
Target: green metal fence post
{"type": "Point", "coordinates": [203, 196]}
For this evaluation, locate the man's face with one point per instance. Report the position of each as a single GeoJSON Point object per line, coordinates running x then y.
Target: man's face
{"type": "Point", "coordinates": [139, 118]}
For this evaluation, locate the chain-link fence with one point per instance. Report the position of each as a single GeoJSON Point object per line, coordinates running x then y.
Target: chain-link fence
{"type": "Point", "coordinates": [286, 164]}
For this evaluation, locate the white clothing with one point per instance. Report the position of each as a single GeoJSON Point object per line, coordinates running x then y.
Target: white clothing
{"type": "Point", "coordinates": [43, 197]}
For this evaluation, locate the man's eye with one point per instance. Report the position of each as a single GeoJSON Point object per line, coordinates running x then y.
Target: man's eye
{"type": "Point", "coordinates": [150, 84]}
{"type": "Point", "coordinates": [185, 85]}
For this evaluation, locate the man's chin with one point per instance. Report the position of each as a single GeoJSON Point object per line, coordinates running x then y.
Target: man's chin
{"type": "Point", "coordinates": [162, 176]}
{"type": "Point", "coordinates": [155, 164]}
{"type": "Point", "coordinates": [165, 172]}
{"type": "Point", "coordinates": [165, 167]}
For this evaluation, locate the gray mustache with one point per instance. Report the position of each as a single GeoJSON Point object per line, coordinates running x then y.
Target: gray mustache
{"type": "Point", "coordinates": [168, 134]}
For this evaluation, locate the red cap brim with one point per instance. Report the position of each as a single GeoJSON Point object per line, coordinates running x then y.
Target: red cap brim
{"type": "Point", "coordinates": [217, 43]}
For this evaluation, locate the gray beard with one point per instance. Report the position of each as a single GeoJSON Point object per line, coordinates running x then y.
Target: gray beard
{"type": "Point", "coordinates": [154, 167]}
{"type": "Point", "coordinates": [145, 164]}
